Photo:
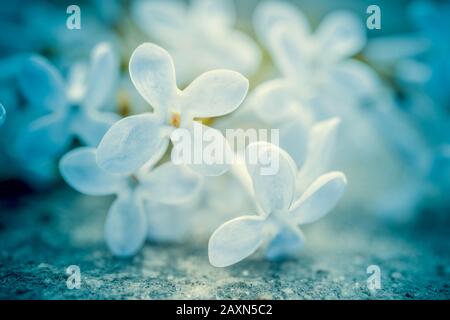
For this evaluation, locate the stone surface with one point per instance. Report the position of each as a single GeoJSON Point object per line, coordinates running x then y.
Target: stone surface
{"type": "Point", "coordinates": [44, 234]}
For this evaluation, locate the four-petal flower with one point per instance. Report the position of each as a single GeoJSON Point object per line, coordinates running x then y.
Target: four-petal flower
{"type": "Point", "coordinates": [73, 108]}
{"type": "Point", "coordinates": [135, 140]}
{"type": "Point", "coordinates": [300, 55]}
{"type": "Point", "coordinates": [282, 213]}
{"type": "Point", "coordinates": [318, 66]}
{"type": "Point", "coordinates": [126, 223]}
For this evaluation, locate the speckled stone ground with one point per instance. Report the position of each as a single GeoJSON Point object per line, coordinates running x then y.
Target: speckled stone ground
{"type": "Point", "coordinates": [43, 235]}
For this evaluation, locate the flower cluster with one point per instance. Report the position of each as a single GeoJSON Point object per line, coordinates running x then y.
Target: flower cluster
{"type": "Point", "coordinates": [111, 102]}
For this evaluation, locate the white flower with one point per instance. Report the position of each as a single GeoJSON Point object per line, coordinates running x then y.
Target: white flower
{"type": "Point", "coordinates": [126, 224]}
{"type": "Point", "coordinates": [200, 37]}
{"type": "Point", "coordinates": [135, 140]}
{"type": "Point", "coordinates": [72, 109]}
{"type": "Point", "coordinates": [300, 55]}
{"type": "Point", "coordinates": [282, 211]}
{"type": "Point", "coordinates": [318, 67]}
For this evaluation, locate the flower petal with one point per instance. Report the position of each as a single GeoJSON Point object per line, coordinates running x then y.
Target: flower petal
{"type": "Point", "coordinates": [92, 125]}
{"type": "Point", "coordinates": [235, 240]}
{"type": "Point", "coordinates": [44, 138]}
{"type": "Point", "coordinates": [170, 184]}
{"type": "Point", "coordinates": [286, 243]}
{"type": "Point", "coordinates": [291, 53]}
{"type": "Point", "coordinates": [204, 149]}
{"type": "Point", "coordinates": [321, 145]}
{"type": "Point", "coordinates": [213, 15]}
{"type": "Point", "coordinates": [319, 199]}
{"type": "Point", "coordinates": [274, 101]}
{"type": "Point", "coordinates": [42, 84]}
{"type": "Point", "coordinates": [130, 143]}
{"type": "Point", "coordinates": [103, 76]}
{"type": "Point", "coordinates": [214, 93]}
{"type": "Point", "coordinates": [270, 13]}
{"type": "Point", "coordinates": [355, 82]}
{"type": "Point", "coordinates": [77, 82]}
{"type": "Point", "coordinates": [163, 20]}
{"type": "Point", "coordinates": [80, 170]}
{"type": "Point", "coordinates": [406, 46]}
{"type": "Point", "coordinates": [273, 174]}
{"type": "Point", "coordinates": [341, 34]}
{"type": "Point", "coordinates": [294, 136]}
{"type": "Point", "coordinates": [125, 226]}
{"type": "Point", "coordinates": [153, 74]}
{"type": "Point", "coordinates": [233, 50]}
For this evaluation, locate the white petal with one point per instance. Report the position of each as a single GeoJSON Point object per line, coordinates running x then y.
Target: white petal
{"type": "Point", "coordinates": [42, 84]}
{"type": "Point", "coordinates": [319, 199]}
{"type": "Point", "coordinates": [130, 143]}
{"type": "Point", "coordinates": [270, 13]}
{"type": "Point", "coordinates": [273, 174]}
{"type": "Point", "coordinates": [44, 138]}
{"type": "Point", "coordinates": [341, 34]}
{"type": "Point", "coordinates": [274, 101]}
{"type": "Point", "coordinates": [203, 148]}
{"type": "Point", "coordinates": [247, 54]}
{"type": "Point", "coordinates": [77, 82]}
{"type": "Point", "coordinates": [188, 64]}
{"type": "Point", "coordinates": [170, 184]}
{"type": "Point", "coordinates": [214, 93]}
{"type": "Point", "coordinates": [213, 14]}
{"type": "Point", "coordinates": [286, 243]}
{"type": "Point", "coordinates": [356, 80]}
{"type": "Point", "coordinates": [413, 72]}
{"type": "Point", "coordinates": [92, 125]}
{"type": "Point", "coordinates": [80, 170]}
{"type": "Point", "coordinates": [235, 240]}
{"type": "Point", "coordinates": [406, 46]}
{"type": "Point", "coordinates": [241, 174]}
{"type": "Point", "coordinates": [163, 20]}
{"type": "Point", "coordinates": [290, 53]}
{"type": "Point", "coordinates": [153, 74]}
{"type": "Point", "coordinates": [232, 50]}
{"type": "Point", "coordinates": [321, 145]}
{"type": "Point", "coordinates": [103, 76]}
{"type": "Point", "coordinates": [294, 137]}
{"type": "Point", "coordinates": [125, 226]}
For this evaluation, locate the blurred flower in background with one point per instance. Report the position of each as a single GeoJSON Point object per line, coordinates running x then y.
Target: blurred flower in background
{"type": "Point", "coordinates": [199, 35]}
